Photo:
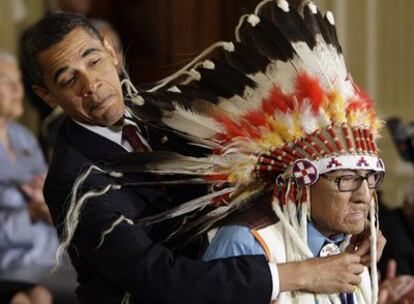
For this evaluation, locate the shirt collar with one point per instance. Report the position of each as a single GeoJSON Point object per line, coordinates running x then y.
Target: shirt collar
{"type": "Point", "coordinates": [316, 239]}
{"type": "Point", "coordinates": [113, 133]}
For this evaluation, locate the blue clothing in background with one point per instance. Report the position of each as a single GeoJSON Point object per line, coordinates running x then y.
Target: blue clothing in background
{"type": "Point", "coordinates": [27, 250]}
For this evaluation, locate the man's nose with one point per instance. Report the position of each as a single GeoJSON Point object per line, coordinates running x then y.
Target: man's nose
{"type": "Point", "coordinates": [90, 84]}
{"type": "Point", "coordinates": [363, 194]}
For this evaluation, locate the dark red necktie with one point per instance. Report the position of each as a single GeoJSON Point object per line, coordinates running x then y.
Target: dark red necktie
{"type": "Point", "coordinates": [129, 133]}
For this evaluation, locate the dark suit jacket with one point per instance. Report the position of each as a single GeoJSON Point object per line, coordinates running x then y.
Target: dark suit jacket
{"type": "Point", "coordinates": [129, 259]}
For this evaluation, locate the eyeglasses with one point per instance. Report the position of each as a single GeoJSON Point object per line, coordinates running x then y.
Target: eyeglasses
{"type": "Point", "coordinates": [347, 183]}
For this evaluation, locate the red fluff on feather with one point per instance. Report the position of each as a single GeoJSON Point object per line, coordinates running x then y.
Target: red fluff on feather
{"type": "Point", "coordinates": [233, 129]}
{"type": "Point", "coordinates": [217, 177]}
{"type": "Point", "coordinates": [309, 87]}
{"type": "Point", "coordinates": [250, 130]}
{"type": "Point", "coordinates": [255, 118]}
{"type": "Point", "coordinates": [277, 101]}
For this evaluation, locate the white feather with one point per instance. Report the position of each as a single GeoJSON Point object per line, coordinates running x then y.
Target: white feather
{"type": "Point", "coordinates": [192, 123]}
{"type": "Point", "coordinates": [323, 119]}
{"type": "Point", "coordinates": [308, 120]}
{"type": "Point", "coordinates": [283, 74]}
{"type": "Point", "coordinates": [189, 165]}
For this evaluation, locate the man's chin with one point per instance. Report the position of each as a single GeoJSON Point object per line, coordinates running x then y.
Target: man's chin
{"type": "Point", "coordinates": [108, 118]}
{"type": "Point", "coordinates": [354, 229]}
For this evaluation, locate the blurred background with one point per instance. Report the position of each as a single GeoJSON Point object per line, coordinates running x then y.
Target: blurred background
{"type": "Point", "coordinates": [158, 36]}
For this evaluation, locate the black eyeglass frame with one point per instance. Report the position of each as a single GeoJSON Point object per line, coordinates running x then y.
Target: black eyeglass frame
{"type": "Point", "coordinates": [338, 179]}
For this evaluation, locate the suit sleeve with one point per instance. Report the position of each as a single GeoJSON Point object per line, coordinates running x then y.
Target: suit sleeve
{"type": "Point", "coordinates": [152, 274]}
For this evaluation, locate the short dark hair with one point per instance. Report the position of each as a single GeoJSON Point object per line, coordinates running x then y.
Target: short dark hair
{"type": "Point", "coordinates": [46, 33]}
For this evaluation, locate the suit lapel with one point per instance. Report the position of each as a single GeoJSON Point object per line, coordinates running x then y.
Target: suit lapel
{"type": "Point", "coordinates": [93, 146]}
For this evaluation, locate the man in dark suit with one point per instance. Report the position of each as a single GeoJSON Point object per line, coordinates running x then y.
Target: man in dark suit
{"type": "Point", "coordinates": [72, 66]}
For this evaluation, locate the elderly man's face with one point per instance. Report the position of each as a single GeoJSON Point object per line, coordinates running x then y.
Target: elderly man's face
{"type": "Point", "coordinates": [80, 75]}
{"type": "Point", "coordinates": [11, 90]}
{"type": "Point", "coordinates": [334, 212]}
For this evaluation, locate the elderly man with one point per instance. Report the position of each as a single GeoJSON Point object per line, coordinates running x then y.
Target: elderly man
{"type": "Point", "coordinates": [73, 67]}
{"type": "Point", "coordinates": [292, 138]}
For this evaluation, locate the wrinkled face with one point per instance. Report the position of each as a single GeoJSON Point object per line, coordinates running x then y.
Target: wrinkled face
{"type": "Point", "coordinates": [11, 90]}
{"type": "Point", "coordinates": [334, 212]}
{"type": "Point", "coordinates": [80, 75]}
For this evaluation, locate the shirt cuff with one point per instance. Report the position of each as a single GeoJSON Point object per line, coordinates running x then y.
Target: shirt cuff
{"type": "Point", "coordinates": [275, 280]}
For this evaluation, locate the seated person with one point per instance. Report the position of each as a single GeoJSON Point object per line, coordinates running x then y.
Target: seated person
{"type": "Point", "coordinates": [398, 227]}
{"type": "Point", "coordinates": [28, 241]}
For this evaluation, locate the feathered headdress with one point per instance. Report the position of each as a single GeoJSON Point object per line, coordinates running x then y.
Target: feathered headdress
{"type": "Point", "coordinates": [275, 105]}
{"type": "Point", "coordinates": [276, 108]}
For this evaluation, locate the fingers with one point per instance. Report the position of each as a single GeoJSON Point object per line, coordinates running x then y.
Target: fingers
{"type": "Point", "coordinates": [405, 286]}
{"type": "Point", "coordinates": [351, 247]}
{"type": "Point", "coordinates": [383, 296]}
{"type": "Point", "coordinates": [357, 269]}
{"type": "Point", "coordinates": [360, 244]}
{"type": "Point", "coordinates": [363, 247]}
{"type": "Point", "coordinates": [27, 189]}
{"type": "Point", "coordinates": [381, 242]}
{"type": "Point", "coordinates": [350, 258]}
{"type": "Point", "coordinates": [38, 181]}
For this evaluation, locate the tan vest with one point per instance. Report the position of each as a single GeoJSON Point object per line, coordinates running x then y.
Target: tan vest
{"type": "Point", "coordinates": [272, 241]}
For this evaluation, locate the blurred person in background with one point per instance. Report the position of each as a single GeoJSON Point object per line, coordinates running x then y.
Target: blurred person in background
{"type": "Point", "coordinates": [397, 262]}
{"type": "Point", "coordinates": [28, 241]}
{"type": "Point", "coordinates": [396, 288]}
{"type": "Point", "coordinates": [398, 227]}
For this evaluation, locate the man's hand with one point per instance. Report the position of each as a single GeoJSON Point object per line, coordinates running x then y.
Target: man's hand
{"type": "Point", "coordinates": [332, 274]}
{"type": "Point", "coordinates": [360, 245]}
{"type": "Point", "coordinates": [396, 289]}
{"type": "Point", "coordinates": [39, 211]}
{"type": "Point", "coordinates": [37, 207]}
{"type": "Point", "coordinates": [34, 189]}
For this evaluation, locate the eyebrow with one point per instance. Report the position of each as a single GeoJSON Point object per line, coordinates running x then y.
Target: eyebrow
{"type": "Point", "coordinates": [63, 69]}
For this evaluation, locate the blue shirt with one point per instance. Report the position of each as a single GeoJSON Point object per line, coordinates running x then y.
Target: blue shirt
{"type": "Point", "coordinates": [236, 240]}
{"type": "Point", "coordinates": [26, 249]}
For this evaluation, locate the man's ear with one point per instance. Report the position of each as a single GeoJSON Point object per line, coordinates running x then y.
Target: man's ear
{"type": "Point", "coordinates": [108, 45]}
{"type": "Point", "coordinates": [45, 95]}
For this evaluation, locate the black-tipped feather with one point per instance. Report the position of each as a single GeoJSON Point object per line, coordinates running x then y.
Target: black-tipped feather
{"type": "Point", "coordinates": [317, 24]}
{"type": "Point", "coordinates": [147, 112]}
{"type": "Point", "coordinates": [290, 23]}
{"type": "Point", "coordinates": [137, 162]}
{"type": "Point", "coordinates": [332, 30]}
{"type": "Point", "coordinates": [268, 40]}
{"type": "Point", "coordinates": [164, 163]}
{"type": "Point", "coordinates": [224, 80]}
{"type": "Point", "coordinates": [323, 28]}
{"type": "Point", "coordinates": [246, 59]}
{"type": "Point", "coordinates": [193, 90]}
